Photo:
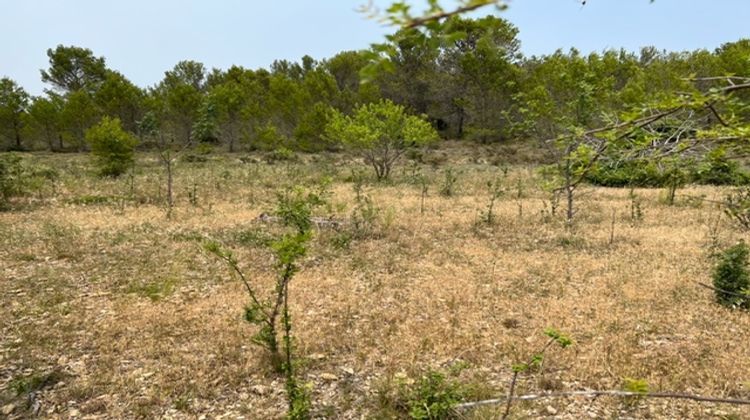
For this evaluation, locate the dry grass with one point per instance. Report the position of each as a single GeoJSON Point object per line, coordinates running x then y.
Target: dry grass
{"type": "Point", "coordinates": [140, 322]}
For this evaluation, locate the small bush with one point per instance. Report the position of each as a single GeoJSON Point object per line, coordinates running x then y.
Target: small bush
{"type": "Point", "coordinates": [434, 397]}
{"type": "Point", "coordinates": [623, 174]}
{"type": "Point", "coordinates": [718, 169]}
{"type": "Point", "coordinates": [18, 178]}
{"type": "Point", "coordinates": [731, 278]}
{"type": "Point", "coordinates": [112, 147]}
{"type": "Point", "coordinates": [281, 154]}
{"type": "Point", "coordinates": [11, 178]}
{"type": "Point", "coordinates": [737, 207]}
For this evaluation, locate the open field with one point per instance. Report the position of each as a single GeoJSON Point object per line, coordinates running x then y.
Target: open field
{"type": "Point", "coordinates": [112, 310]}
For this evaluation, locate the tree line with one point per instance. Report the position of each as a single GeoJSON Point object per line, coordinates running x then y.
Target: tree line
{"type": "Point", "coordinates": [468, 77]}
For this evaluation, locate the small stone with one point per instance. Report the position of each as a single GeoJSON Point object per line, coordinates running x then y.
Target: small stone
{"type": "Point", "coordinates": [73, 412]}
{"type": "Point", "coordinates": [348, 370]}
{"type": "Point", "coordinates": [329, 377]}
{"type": "Point", "coordinates": [7, 409]}
{"type": "Point", "coordinates": [551, 410]}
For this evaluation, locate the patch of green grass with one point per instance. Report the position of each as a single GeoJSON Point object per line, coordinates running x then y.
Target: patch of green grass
{"type": "Point", "coordinates": [155, 290]}
{"type": "Point", "coordinates": [187, 236]}
{"type": "Point", "coordinates": [571, 241]}
{"type": "Point", "coordinates": [91, 200]}
{"type": "Point", "coordinates": [252, 237]}
{"type": "Point", "coordinates": [22, 385]}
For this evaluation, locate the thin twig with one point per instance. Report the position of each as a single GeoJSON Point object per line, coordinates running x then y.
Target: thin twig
{"type": "Point", "coordinates": [740, 295]}
{"type": "Point", "coordinates": [511, 389]}
{"type": "Point", "coordinates": [595, 394]}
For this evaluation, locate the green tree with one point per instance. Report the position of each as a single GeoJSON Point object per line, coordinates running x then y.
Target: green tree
{"type": "Point", "coordinates": [74, 68]}
{"type": "Point", "coordinates": [409, 74]}
{"type": "Point", "coordinates": [381, 131]}
{"type": "Point", "coordinates": [481, 75]}
{"type": "Point", "coordinates": [345, 68]}
{"type": "Point", "coordinates": [310, 131]}
{"type": "Point", "coordinates": [44, 120]}
{"type": "Point", "coordinates": [112, 147]}
{"type": "Point", "coordinates": [79, 112]}
{"type": "Point", "coordinates": [205, 128]}
{"type": "Point", "coordinates": [230, 93]}
{"type": "Point", "coordinates": [118, 97]}
{"type": "Point", "coordinates": [14, 102]}
{"type": "Point", "coordinates": [180, 97]}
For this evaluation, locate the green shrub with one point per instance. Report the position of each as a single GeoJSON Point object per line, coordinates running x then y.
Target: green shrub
{"type": "Point", "coordinates": [11, 178]}
{"type": "Point", "coordinates": [281, 154]}
{"type": "Point", "coordinates": [737, 207]}
{"type": "Point", "coordinates": [309, 133]}
{"type": "Point", "coordinates": [718, 169]}
{"type": "Point", "coordinates": [434, 396]}
{"type": "Point", "coordinates": [112, 147]}
{"type": "Point", "coordinates": [19, 178]}
{"type": "Point", "coordinates": [624, 174]}
{"type": "Point", "coordinates": [731, 278]}
{"type": "Point", "coordinates": [381, 132]}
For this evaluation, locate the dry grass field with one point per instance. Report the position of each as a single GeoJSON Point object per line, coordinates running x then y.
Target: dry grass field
{"type": "Point", "coordinates": [112, 310]}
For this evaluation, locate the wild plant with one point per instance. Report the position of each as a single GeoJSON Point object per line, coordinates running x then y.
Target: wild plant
{"type": "Point", "coordinates": [450, 178]}
{"type": "Point", "coordinates": [737, 207]}
{"type": "Point", "coordinates": [294, 211]}
{"type": "Point", "coordinates": [496, 191]}
{"type": "Point", "coordinates": [636, 209]}
{"type": "Point", "coordinates": [731, 278]}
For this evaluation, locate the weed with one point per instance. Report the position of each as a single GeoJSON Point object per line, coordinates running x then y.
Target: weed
{"type": "Point", "coordinates": [495, 191]}
{"type": "Point", "coordinates": [22, 385]}
{"type": "Point", "coordinates": [155, 290]}
{"type": "Point", "coordinates": [636, 209]}
{"type": "Point", "coordinates": [295, 211]}
{"type": "Point", "coordinates": [535, 362]}
{"type": "Point", "coordinates": [450, 178]}
{"type": "Point", "coordinates": [365, 214]}
{"type": "Point", "coordinates": [434, 396]}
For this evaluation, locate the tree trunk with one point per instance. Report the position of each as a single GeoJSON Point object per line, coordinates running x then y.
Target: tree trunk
{"type": "Point", "coordinates": [232, 134]}
{"type": "Point", "coordinates": [461, 118]}
{"type": "Point", "coordinates": [569, 191]}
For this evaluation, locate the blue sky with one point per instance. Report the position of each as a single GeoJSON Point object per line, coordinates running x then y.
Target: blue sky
{"type": "Point", "coordinates": [143, 38]}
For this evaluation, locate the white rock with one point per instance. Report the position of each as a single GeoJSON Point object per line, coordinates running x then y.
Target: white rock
{"type": "Point", "coordinates": [328, 377]}
{"type": "Point", "coordinates": [7, 409]}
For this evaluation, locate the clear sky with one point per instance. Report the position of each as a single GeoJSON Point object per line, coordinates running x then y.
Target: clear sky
{"type": "Point", "coordinates": [143, 38]}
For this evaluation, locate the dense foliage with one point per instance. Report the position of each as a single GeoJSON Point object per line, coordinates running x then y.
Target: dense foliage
{"type": "Point", "coordinates": [112, 146]}
{"type": "Point", "coordinates": [466, 75]}
{"type": "Point", "coordinates": [381, 131]}
{"type": "Point", "coordinates": [731, 277]}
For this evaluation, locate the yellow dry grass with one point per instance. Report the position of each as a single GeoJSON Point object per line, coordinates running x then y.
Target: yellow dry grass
{"type": "Point", "coordinates": [141, 322]}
